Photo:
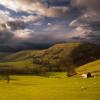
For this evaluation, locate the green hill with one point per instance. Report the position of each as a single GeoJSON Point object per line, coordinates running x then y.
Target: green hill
{"type": "Point", "coordinates": [93, 67]}
{"type": "Point", "coordinates": [19, 56]}
{"type": "Point", "coordinates": [59, 57]}
{"type": "Point", "coordinates": [68, 55]}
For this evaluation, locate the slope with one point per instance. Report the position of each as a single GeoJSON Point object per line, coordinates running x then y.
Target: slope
{"type": "Point", "coordinates": [59, 57]}
{"type": "Point", "coordinates": [93, 67]}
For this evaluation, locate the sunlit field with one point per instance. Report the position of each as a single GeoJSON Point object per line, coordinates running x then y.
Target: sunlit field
{"type": "Point", "coordinates": [57, 86]}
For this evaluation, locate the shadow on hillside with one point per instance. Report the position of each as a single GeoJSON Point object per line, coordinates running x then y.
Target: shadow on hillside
{"type": "Point", "coordinates": [85, 53]}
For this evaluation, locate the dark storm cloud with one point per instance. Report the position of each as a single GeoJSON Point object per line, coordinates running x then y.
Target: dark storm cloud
{"type": "Point", "coordinates": [6, 41]}
{"type": "Point", "coordinates": [37, 41]}
{"type": "Point", "coordinates": [89, 21]}
{"type": "Point", "coordinates": [58, 2]}
{"type": "Point", "coordinates": [5, 37]}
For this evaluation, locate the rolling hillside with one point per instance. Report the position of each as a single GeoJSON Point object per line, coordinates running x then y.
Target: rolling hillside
{"type": "Point", "coordinates": [59, 57]}
{"type": "Point", "coordinates": [93, 67]}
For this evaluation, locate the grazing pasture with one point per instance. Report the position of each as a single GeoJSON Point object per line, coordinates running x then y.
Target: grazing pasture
{"type": "Point", "coordinates": [56, 86]}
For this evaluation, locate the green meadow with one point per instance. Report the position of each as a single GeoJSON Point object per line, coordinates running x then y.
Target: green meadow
{"type": "Point", "coordinates": [55, 87]}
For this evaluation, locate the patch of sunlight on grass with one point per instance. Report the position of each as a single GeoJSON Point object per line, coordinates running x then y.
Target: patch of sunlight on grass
{"type": "Point", "coordinates": [50, 88]}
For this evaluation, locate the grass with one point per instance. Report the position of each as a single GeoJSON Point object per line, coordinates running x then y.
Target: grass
{"type": "Point", "coordinates": [58, 87]}
{"type": "Point", "coordinates": [93, 67]}
{"type": "Point", "coordinates": [24, 63]}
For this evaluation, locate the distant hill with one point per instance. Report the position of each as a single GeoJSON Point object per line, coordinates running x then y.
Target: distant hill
{"type": "Point", "coordinates": [69, 55]}
{"type": "Point", "coordinates": [59, 57]}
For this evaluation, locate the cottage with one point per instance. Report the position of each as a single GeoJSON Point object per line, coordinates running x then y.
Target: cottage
{"type": "Point", "coordinates": [86, 75]}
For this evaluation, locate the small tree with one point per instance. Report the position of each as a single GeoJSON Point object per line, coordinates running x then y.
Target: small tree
{"type": "Point", "coordinates": [6, 71]}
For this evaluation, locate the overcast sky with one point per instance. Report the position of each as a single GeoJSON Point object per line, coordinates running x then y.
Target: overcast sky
{"type": "Point", "coordinates": [27, 24]}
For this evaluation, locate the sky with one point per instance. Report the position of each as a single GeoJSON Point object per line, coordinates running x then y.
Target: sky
{"type": "Point", "coordinates": [37, 24]}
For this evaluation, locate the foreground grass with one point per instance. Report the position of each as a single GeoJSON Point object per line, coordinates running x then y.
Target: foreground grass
{"type": "Point", "coordinates": [55, 87]}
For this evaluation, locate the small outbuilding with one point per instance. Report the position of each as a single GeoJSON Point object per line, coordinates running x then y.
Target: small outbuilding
{"type": "Point", "coordinates": [86, 75]}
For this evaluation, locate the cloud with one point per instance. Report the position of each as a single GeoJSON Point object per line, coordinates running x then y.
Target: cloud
{"type": "Point", "coordinates": [32, 18]}
{"type": "Point", "coordinates": [55, 28]}
{"type": "Point", "coordinates": [46, 24]}
{"type": "Point", "coordinates": [37, 6]}
{"type": "Point", "coordinates": [89, 20]}
{"type": "Point", "coordinates": [90, 4]}
{"type": "Point", "coordinates": [87, 27]}
{"type": "Point", "coordinates": [43, 9]}
{"type": "Point", "coordinates": [31, 23]}
{"type": "Point", "coordinates": [3, 16]}
{"type": "Point", "coordinates": [5, 37]}
{"type": "Point", "coordinates": [57, 12]}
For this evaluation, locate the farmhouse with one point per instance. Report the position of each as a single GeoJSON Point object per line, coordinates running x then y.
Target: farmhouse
{"type": "Point", "coordinates": [86, 75]}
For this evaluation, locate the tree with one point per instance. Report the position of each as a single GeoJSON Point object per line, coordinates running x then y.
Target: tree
{"type": "Point", "coordinates": [5, 72]}
{"type": "Point", "coordinates": [68, 64]}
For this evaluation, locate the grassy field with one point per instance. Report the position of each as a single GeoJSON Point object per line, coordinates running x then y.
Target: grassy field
{"type": "Point", "coordinates": [55, 87]}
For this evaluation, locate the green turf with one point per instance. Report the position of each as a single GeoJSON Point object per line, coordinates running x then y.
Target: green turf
{"type": "Point", "coordinates": [93, 67]}
{"type": "Point", "coordinates": [58, 87]}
